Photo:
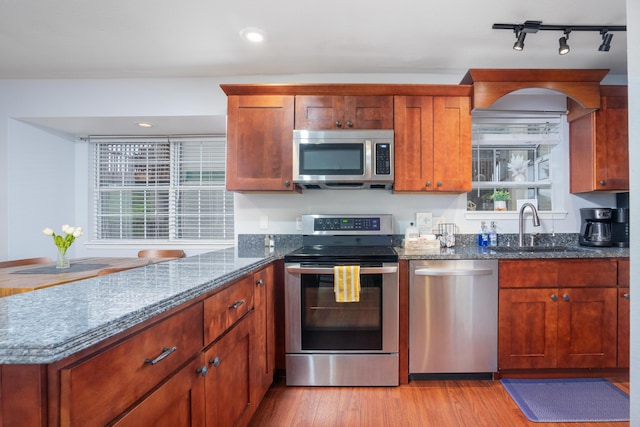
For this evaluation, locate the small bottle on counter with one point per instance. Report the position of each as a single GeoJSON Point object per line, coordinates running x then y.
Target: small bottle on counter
{"type": "Point", "coordinates": [483, 237]}
{"type": "Point", "coordinates": [493, 234]}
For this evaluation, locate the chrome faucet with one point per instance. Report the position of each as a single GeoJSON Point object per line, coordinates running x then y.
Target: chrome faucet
{"type": "Point", "coordinates": [536, 221]}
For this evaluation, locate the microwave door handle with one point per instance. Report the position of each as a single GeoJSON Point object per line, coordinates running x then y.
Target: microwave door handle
{"type": "Point", "coordinates": [296, 269]}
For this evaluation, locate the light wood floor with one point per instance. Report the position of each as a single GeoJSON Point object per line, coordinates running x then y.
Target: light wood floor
{"type": "Point", "coordinates": [420, 403]}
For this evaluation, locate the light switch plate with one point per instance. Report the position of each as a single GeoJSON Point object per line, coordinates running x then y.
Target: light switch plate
{"type": "Point", "coordinates": [424, 222]}
{"type": "Point", "coordinates": [264, 222]}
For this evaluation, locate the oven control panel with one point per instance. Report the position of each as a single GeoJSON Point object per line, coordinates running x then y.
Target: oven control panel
{"type": "Point", "coordinates": [339, 224]}
{"type": "Point", "coordinates": [347, 224]}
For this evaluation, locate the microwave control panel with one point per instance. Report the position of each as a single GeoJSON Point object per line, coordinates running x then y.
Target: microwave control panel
{"type": "Point", "coordinates": [383, 159]}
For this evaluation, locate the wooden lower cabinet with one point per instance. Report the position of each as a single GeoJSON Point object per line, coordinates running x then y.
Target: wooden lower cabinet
{"type": "Point", "coordinates": [624, 310]}
{"type": "Point", "coordinates": [124, 373]}
{"type": "Point", "coordinates": [558, 314]}
{"type": "Point", "coordinates": [205, 364]}
{"type": "Point", "coordinates": [527, 329]}
{"type": "Point", "coordinates": [264, 351]}
{"type": "Point", "coordinates": [228, 380]}
{"type": "Point", "coordinates": [214, 390]}
{"type": "Point", "coordinates": [179, 402]}
{"type": "Point", "coordinates": [557, 328]}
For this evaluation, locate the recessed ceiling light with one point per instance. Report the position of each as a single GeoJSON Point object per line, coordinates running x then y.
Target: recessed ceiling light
{"type": "Point", "coordinates": [145, 125]}
{"type": "Point", "coordinates": [252, 34]}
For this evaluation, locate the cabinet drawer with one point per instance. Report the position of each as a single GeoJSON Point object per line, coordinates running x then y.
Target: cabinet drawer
{"type": "Point", "coordinates": [224, 309]}
{"type": "Point", "coordinates": [122, 374]}
{"type": "Point", "coordinates": [557, 273]}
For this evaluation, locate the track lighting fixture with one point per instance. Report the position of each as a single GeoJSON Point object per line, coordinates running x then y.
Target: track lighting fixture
{"type": "Point", "coordinates": [564, 47]}
{"type": "Point", "coordinates": [606, 41]}
{"type": "Point", "coordinates": [521, 31]}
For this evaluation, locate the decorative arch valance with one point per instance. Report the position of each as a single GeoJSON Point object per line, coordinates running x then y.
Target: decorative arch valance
{"type": "Point", "coordinates": [489, 85]}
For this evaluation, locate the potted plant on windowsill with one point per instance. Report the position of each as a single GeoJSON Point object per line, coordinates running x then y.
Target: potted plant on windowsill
{"type": "Point", "coordinates": [500, 198]}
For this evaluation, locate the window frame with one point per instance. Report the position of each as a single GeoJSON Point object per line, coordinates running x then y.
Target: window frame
{"type": "Point", "coordinates": [558, 150]}
{"type": "Point", "coordinates": [204, 217]}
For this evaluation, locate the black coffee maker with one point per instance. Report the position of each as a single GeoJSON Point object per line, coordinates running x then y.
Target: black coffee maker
{"type": "Point", "coordinates": [620, 227]}
{"type": "Point", "coordinates": [596, 227]}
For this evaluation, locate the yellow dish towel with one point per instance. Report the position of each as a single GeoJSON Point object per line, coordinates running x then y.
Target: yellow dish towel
{"type": "Point", "coordinates": [346, 283]}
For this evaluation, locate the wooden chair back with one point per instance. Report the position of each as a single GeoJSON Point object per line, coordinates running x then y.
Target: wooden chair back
{"type": "Point", "coordinates": [106, 271]}
{"type": "Point", "coordinates": [161, 253]}
{"type": "Point", "coordinates": [24, 261]}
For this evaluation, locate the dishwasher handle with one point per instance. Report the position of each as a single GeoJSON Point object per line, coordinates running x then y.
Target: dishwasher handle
{"type": "Point", "coordinates": [453, 272]}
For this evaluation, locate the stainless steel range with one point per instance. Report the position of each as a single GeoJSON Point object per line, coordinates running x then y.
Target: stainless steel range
{"type": "Point", "coordinates": [330, 343]}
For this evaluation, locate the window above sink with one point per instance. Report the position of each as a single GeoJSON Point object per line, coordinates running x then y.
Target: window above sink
{"type": "Point", "coordinates": [514, 156]}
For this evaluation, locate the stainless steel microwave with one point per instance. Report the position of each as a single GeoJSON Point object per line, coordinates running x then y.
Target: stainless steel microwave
{"type": "Point", "coordinates": [343, 159]}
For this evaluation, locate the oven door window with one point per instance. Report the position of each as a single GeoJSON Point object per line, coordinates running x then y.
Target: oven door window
{"type": "Point", "coordinates": [330, 325]}
{"type": "Point", "coordinates": [331, 159]}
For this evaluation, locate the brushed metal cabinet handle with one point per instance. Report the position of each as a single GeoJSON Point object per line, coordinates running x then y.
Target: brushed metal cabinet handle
{"type": "Point", "coordinates": [237, 304]}
{"type": "Point", "coordinates": [166, 351]}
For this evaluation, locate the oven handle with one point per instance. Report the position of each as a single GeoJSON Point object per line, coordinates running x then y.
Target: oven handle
{"type": "Point", "coordinates": [296, 269]}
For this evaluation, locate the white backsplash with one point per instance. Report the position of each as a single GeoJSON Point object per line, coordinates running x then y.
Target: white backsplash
{"type": "Point", "coordinates": [282, 210]}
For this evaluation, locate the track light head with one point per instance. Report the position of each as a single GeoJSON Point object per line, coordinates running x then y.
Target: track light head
{"type": "Point", "coordinates": [564, 47]}
{"type": "Point", "coordinates": [519, 44]}
{"type": "Point", "coordinates": [606, 41]}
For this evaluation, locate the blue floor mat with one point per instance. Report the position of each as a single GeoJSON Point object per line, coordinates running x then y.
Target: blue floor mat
{"type": "Point", "coordinates": [569, 400]}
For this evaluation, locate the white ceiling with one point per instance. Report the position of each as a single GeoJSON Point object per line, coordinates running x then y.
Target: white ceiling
{"type": "Point", "coordinates": [200, 38]}
{"type": "Point", "coordinates": [169, 38]}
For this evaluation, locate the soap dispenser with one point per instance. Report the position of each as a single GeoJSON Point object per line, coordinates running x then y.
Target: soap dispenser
{"type": "Point", "coordinates": [493, 234]}
{"type": "Point", "coordinates": [483, 237]}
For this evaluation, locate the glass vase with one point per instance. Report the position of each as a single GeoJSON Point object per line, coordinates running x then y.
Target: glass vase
{"type": "Point", "coordinates": [61, 260]}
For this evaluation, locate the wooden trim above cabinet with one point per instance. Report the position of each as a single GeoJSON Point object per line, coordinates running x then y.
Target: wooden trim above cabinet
{"type": "Point", "coordinates": [491, 84]}
{"type": "Point", "coordinates": [347, 89]}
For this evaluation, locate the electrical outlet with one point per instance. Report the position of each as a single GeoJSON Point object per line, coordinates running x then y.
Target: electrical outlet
{"type": "Point", "coordinates": [298, 223]}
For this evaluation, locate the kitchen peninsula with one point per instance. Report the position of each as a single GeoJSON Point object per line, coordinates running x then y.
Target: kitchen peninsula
{"type": "Point", "coordinates": [55, 341]}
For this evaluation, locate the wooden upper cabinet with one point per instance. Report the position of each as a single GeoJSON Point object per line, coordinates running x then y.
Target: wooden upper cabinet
{"type": "Point", "coordinates": [343, 112]}
{"type": "Point", "coordinates": [432, 144]}
{"type": "Point", "coordinates": [599, 145]}
{"type": "Point", "coordinates": [259, 143]}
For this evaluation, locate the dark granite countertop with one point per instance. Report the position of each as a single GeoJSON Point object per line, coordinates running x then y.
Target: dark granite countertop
{"type": "Point", "coordinates": [514, 252]}
{"type": "Point", "coordinates": [47, 325]}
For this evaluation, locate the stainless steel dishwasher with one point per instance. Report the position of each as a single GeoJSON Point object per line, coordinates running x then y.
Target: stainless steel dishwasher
{"type": "Point", "coordinates": [453, 318]}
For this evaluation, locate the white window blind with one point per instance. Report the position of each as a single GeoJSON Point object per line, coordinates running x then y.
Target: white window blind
{"type": "Point", "coordinates": [164, 189]}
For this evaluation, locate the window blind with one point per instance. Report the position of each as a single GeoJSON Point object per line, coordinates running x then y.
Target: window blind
{"type": "Point", "coordinates": [165, 189]}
